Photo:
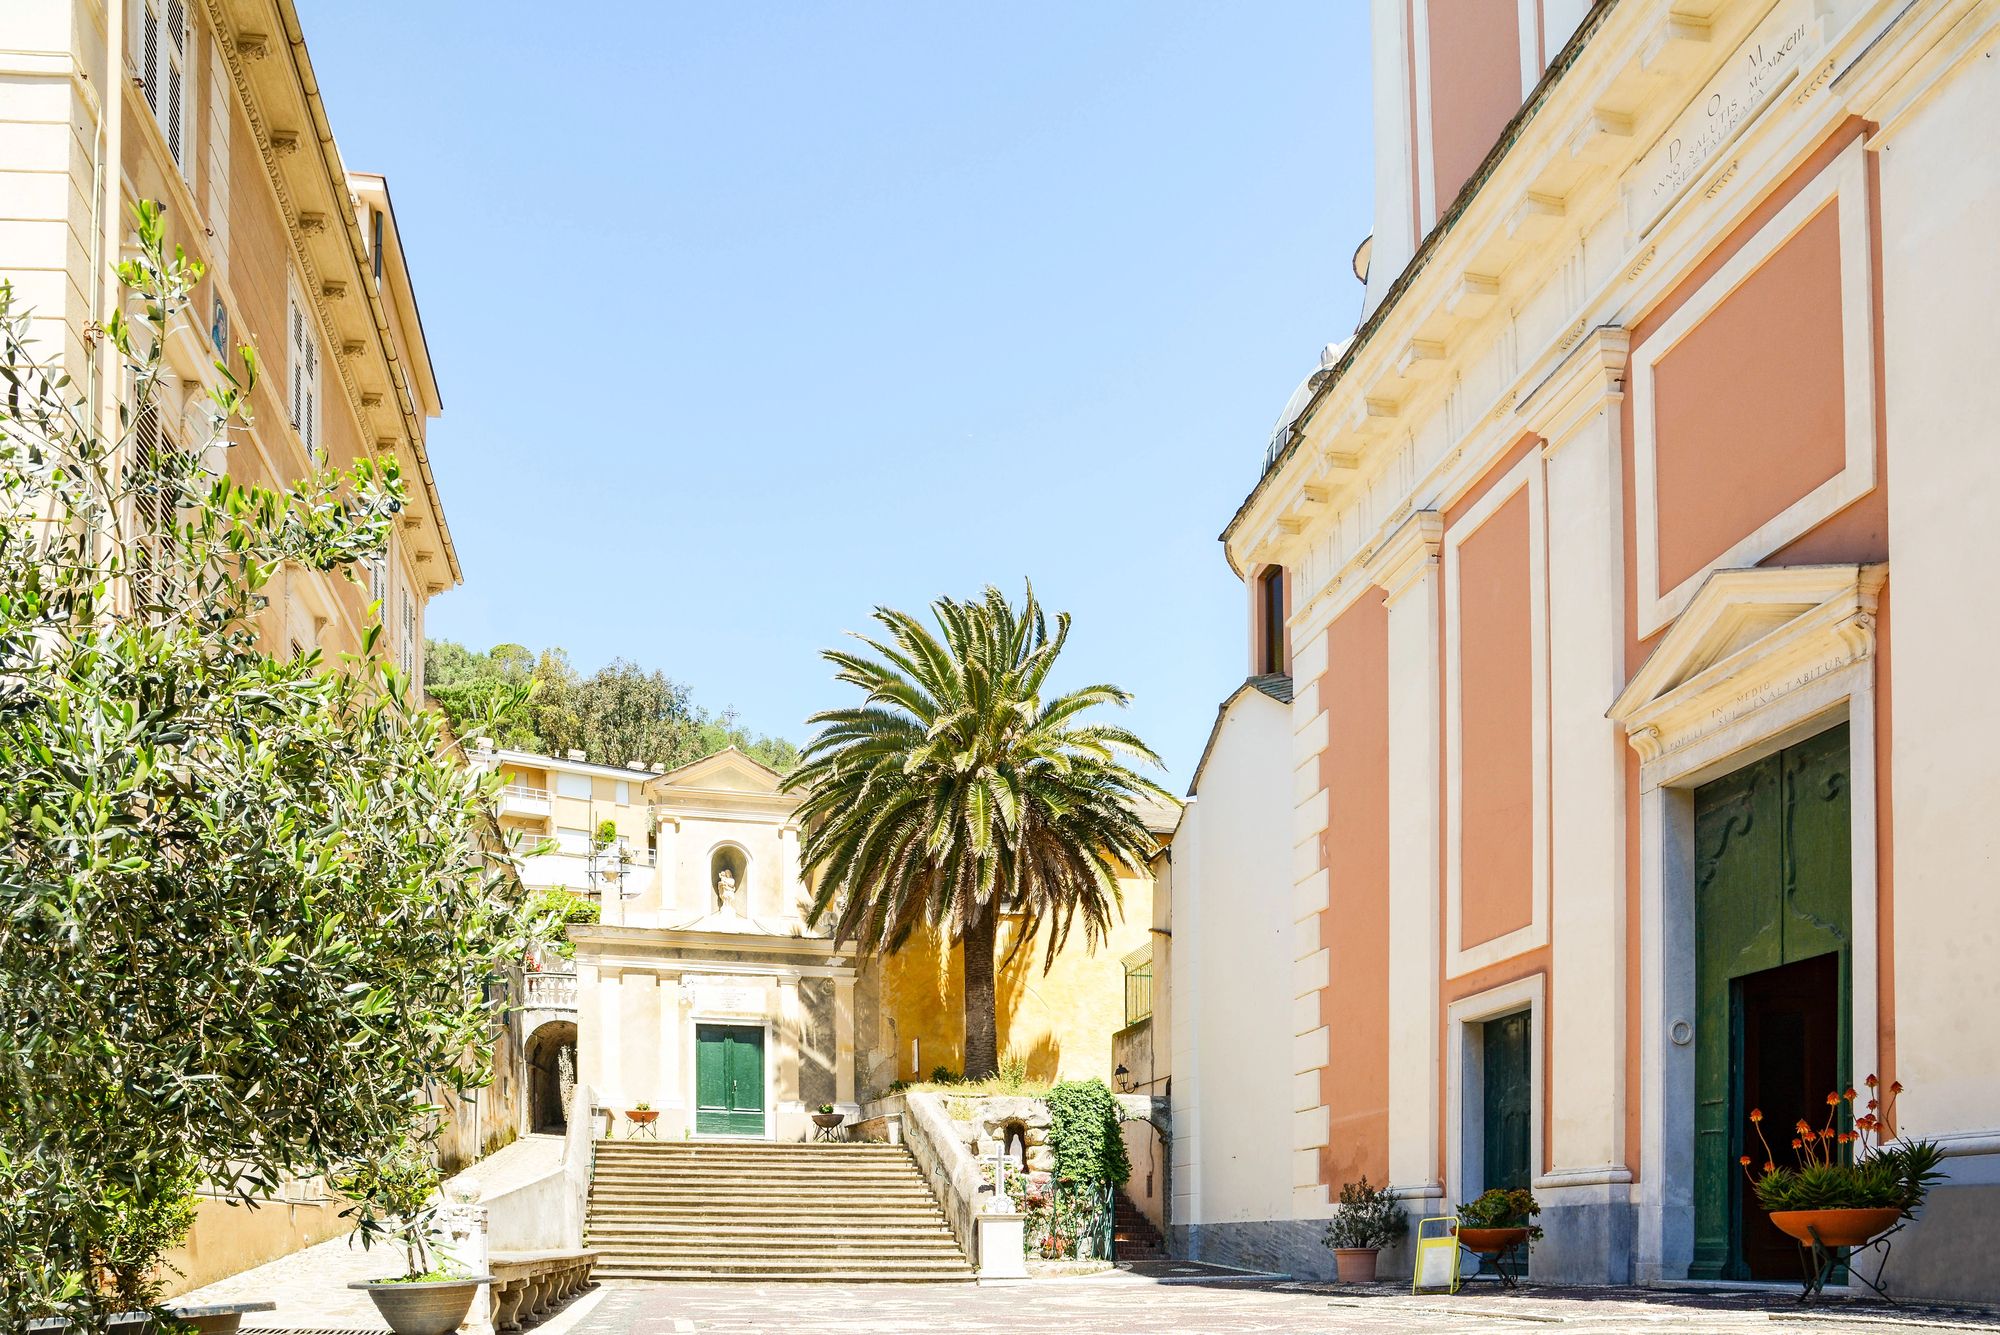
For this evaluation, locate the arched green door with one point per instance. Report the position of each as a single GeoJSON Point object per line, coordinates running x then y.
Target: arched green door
{"type": "Point", "coordinates": [729, 1080]}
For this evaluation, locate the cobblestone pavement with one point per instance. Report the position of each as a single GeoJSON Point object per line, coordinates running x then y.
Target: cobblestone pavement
{"type": "Point", "coordinates": [1147, 1305]}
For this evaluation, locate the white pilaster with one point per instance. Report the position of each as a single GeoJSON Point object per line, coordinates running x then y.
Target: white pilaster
{"type": "Point", "coordinates": [1577, 413]}
{"type": "Point", "coordinates": [666, 854]}
{"type": "Point", "coordinates": [1406, 569]}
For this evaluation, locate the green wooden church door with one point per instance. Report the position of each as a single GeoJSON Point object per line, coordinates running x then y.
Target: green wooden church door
{"type": "Point", "coordinates": [1773, 885]}
{"type": "Point", "coordinates": [729, 1080]}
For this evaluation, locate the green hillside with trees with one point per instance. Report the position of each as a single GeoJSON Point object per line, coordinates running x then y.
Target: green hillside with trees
{"type": "Point", "coordinates": [617, 714]}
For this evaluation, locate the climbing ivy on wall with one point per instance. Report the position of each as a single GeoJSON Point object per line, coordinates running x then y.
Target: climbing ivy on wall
{"type": "Point", "coordinates": [1083, 1134]}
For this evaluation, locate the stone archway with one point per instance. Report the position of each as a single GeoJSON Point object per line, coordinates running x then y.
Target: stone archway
{"type": "Point", "coordinates": [551, 1054]}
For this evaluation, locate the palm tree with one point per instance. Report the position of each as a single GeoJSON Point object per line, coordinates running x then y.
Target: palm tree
{"type": "Point", "coordinates": [954, 793]}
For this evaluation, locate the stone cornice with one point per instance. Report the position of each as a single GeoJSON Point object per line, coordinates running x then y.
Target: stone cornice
{"type": "Point", "coordinates": [1589, 380]}
{"type": "Point", "coordinates": [1407, 555]}
{"type": "Point", "coordinates": [238, 48]}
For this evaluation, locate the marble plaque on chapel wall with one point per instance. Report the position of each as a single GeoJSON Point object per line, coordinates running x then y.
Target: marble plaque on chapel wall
{"type": "Point", "coordinates": [1776, 50]}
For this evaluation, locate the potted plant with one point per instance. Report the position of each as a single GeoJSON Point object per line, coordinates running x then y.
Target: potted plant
{"type": "Point", "coordinates": [395, 1196]}
{"type": "Point", "coordinates": [1849, 1187]}
{"type": "Point", "coordinates": [1366, 1220]}
{"type": "Point", "coordinates": [642, 1113]}
{"type": "Point", "coordinates": [826, 1119]}
{"type": "Point", "coordinates": [1498, 1221]}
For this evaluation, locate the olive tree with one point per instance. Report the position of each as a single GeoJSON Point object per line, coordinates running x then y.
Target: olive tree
{"type": "Point", "coordinates": [245, 911]}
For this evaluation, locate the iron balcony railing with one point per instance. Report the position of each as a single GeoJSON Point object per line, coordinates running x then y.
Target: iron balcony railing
{"type": "Point", "coordinates": [1138, 993]}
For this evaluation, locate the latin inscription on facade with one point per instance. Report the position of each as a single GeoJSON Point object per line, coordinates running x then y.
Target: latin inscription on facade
{"type": "Point", "coordinates": [1744, 85]}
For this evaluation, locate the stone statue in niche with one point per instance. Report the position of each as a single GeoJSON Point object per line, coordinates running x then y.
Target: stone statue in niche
{"type": "Point", "coordinates": [725, 890]}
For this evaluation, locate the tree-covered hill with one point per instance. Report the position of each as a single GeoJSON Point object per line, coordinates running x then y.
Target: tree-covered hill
{"type": "Point", "coordinates": [617, 714]}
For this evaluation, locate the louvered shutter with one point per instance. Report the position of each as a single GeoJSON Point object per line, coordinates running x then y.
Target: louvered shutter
{"type": "Point", "coordinates": [149, 53]}
{"type": "Point", "coordinates": [311, 428]}
{"type": "Point", "coordinates": [305, 376]}
{"type": "Point", "coordinates": [174, 71]}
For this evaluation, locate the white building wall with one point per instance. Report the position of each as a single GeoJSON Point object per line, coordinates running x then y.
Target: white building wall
{"type": "Point", "coordinates": [1940, 195]}
{"type": "Point", "coordinates": [1231, 978]}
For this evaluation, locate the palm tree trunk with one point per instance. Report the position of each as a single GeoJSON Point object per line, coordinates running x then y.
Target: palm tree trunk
{"type": "Point", "coordinates": [982, 1057]}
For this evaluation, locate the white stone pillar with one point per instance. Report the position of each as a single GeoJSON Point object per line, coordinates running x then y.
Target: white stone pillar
{"type": "Point", "coordinates": [673, 1097]}
{"type": "Point", "coordinates": [843, 1040]}
{"type": "Point", "coordinates": [1577, 412]}
{"type": "Point", "coordinates": [1406, 569]}
{"type": "Point", "coordinates": [1311, 1043]}
{"type": "Point", "coordinates": [790, 892]}
{"type": "Point", "coordinates": [666, 864]}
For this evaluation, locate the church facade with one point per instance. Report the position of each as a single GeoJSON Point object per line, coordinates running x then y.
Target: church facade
{"type": "Point", "coordinates": [703, 1001]}
{"type": "Point", "coordinates": [1623, 564]}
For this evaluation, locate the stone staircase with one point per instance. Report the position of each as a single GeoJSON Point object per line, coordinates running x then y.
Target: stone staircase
{"type": "Point", "coordinates": [1133, 1237]}
{"type": "Point", "coordinates": [754, 1210]}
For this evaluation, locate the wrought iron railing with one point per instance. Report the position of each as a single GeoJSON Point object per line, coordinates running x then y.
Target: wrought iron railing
{"type": "Point", "coordinates": [1138, 993]}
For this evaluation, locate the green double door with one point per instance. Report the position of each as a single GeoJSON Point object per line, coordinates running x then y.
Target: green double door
{"type": "Point", "coordinates": [729, 1080]}
{"type": "Point", "coordinates": [1773, 910]}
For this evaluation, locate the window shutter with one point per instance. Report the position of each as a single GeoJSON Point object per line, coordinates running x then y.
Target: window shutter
{"type": "Point", "coordinates": [304, 404]}
{"type": "Point", "coordinates": [175, 72]}
{"type": "Point", "coordinates": [149, 53]}
{"type": "Point", "coordinates": [312, 395]}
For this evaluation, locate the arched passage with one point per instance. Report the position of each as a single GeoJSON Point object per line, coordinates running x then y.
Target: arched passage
{"type": "Point", "coordinates": [551, 1074]}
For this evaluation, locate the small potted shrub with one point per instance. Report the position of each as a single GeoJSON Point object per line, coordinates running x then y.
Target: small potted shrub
{"type": "Point", "coordinates": [641, 1114]}
{"type": "Point", "coordinates": [826, 1119]}
{"type": "Point", "coordinates": [1499, 1221]}
{"type": "Point", "coordinates": [1366, 1220]}
{"type": "Point", "coordinates": [1849, 1187]}
{"type": "Point", "coordinates": [395, 1196]}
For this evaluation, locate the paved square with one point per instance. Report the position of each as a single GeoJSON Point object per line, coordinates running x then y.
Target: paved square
{"type": "Point", "coordinates": [1144, 1305]}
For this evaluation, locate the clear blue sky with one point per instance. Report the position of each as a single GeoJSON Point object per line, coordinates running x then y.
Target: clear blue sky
{"type": "Point", "coordinates": [749, 317]}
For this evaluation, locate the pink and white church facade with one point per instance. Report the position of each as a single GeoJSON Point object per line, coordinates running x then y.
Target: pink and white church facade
{"type": "Point", "coordinates": [1632, 568]}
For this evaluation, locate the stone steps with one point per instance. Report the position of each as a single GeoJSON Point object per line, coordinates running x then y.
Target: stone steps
{"type": "Point", "coordinates": [707, 1211]}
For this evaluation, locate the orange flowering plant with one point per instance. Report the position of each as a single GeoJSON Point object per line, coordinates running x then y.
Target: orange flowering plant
{"type": "Point", "coordinates": [1846, 1169]}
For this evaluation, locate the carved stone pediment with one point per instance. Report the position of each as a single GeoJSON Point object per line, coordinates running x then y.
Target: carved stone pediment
{"type": "Point", "coordinates": [1755, 651]}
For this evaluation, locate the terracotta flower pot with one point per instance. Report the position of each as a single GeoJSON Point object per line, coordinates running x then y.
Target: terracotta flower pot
{"type": "Point", "coordinates": [1355, 1265]}
{"type": "Point", "coordinates": [643, 1115]}
{"type": "Point", "coordinates": [828, 1121]}
{"type": "Point", "coordinates": [1836, 1228]}
{"type": "Point", "coordinates": [424, 1307]}
{"type": "Point", "coordinates": [1491, 1241]}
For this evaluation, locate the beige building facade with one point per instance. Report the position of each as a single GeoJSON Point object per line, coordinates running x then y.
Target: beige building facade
{"type": "Point", "coordinates": [1621, 800]}
{"type": "Point", "coordinates": [211, 108]}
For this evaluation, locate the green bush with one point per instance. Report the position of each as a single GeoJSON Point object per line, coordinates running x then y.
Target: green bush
{"type": "Point", "coordinates": [1083, 1133]}
{"type": "Point", "coordinates": [1366, 1217]}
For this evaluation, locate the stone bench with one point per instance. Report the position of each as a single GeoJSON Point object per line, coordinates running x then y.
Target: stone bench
{"type": "Point", "coordinates": [527, 1285]}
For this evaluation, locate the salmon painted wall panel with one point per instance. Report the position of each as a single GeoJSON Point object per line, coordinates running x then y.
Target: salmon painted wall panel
{"type": "Point", "coordinates": [1750, 408]}
{"type": "Point", "coordinates": [1496, 704]}
{"type": "Point", "coordinates": [1475, 85]}
{"type": "Point", "coordinates": [1354, 927]}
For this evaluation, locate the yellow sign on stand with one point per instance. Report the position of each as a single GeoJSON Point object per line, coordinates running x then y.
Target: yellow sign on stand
{"type": "Point", "coordinates": [1437, 1255]}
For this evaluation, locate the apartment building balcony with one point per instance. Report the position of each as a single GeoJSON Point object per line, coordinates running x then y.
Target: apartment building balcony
{"type": "Point", "coordinates": [526, 803]}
